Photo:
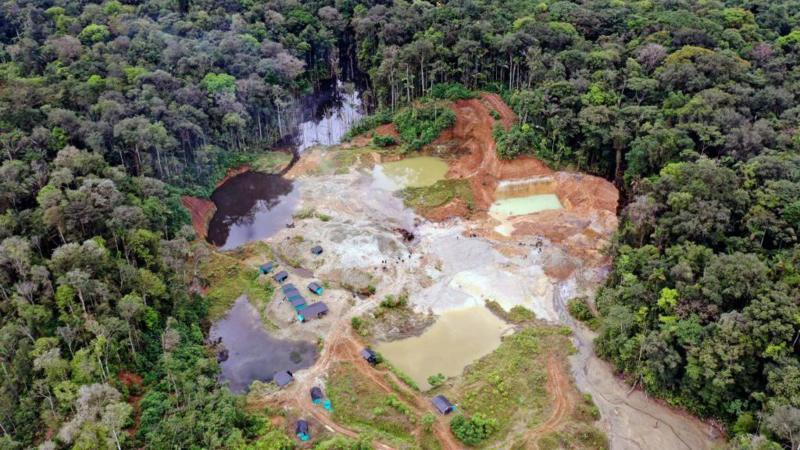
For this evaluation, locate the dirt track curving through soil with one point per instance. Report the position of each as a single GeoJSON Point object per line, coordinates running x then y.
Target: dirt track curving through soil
{"type": "Point", "coordinates": [558, 388]}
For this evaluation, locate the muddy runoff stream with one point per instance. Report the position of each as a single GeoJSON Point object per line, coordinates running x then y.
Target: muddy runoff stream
{"type": "Point", "coordinates": [252, 353]}
{"type": "Point", "coordinates": [631, 419]}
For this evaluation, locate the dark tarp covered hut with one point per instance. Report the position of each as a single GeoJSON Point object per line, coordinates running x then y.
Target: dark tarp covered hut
{"type": "Point", "coordinates": [442, 404]}
{"type": "Point", "coordinates": [283, 378]}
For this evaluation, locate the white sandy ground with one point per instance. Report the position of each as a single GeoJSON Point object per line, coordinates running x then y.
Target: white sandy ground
{"type": "Point", "coordinates": [445, 269]}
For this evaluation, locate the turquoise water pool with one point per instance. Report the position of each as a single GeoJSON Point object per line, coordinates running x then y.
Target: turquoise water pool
{"type": "Point", "coordinates": [520, 206]}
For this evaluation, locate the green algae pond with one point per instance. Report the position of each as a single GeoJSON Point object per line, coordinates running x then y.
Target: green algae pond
{"type": "Point", "coordinates": [520, 206]}
{"type": "Point", "coordinates": [420, 171]}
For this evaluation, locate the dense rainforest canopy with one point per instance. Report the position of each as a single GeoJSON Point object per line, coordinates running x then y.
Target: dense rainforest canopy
{"type": "Point", "coordinates": [691, 107]}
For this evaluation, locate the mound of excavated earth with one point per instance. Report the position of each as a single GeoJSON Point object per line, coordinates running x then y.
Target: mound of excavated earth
{"type": "Point", "coordinates": [588, 217]}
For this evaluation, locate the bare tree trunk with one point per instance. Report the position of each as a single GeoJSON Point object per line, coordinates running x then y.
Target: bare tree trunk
{"type": "Point", "coordinates": [83, 303]}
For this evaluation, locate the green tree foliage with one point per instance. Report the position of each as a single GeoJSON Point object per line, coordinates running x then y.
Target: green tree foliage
{"type": "Point", "coordinates": [691, 107]}
{"type": "Point", "coordinates": [93, 277]}
{"type": "Point", "coordinates": [702, 307]}
{"type": "Point", "coordinates": [384, 141]}
{"type": "Point", "coordinates": [162, 90]}
{"type": "Point", "coordinates": [519, 140]}
{"type": "Point", "coordinates": [451, 91]}
{"type": "Point", "coordinates": [472, 430]}
{"type": "Point", "coordinates": [419, 126]}
{"type": "Point", "coordinates": [219, 83]}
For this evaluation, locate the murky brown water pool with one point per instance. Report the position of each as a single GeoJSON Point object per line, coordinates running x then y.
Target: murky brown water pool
{"type": "Point", "coordinates": [458, 338]}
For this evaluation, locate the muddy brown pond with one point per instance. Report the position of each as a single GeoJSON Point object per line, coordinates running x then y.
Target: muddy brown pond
{"type": "Point", "coordinates": [253, 353]}
{"type": "Point", "coordinates": [251, 206]}
{"type": "Point", "coordinates": [457, 338]}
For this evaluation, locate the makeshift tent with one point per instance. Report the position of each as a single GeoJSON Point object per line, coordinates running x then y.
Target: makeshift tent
{"type": "Point", "coordinates": [281, 276]}
{"type": "Point", "coordinates": [442, 404]}
{"type": "Point", "coordinates": [283, 378]}
{"type": "Point", "coordinates": [315, 288]}
{"type": "Point", "coordinates": [370, 355]}
{"type": "Point", "coordinates": [313, 311]}
{"type": "Point", "coordinates": [301, 430]}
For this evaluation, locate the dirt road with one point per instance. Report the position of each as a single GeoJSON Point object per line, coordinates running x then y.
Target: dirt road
{"type": "Point", "coordinates": [558, 388]}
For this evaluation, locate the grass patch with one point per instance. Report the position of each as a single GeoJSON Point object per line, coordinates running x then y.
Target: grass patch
{"type": "Point", "coordinates": [438, 194]}
{"type": "Point", "coordinates": [579, 309]}
{"type": "Point", "coordinates": [509, 386]}
{"type": "Point", "coordinates": [402, 376]}
{"type": "Point", "coordinates": [311, 213]}
{"type": "Point", "coordinates": [271, 162]}
{"type": "Point", "coordinates": [574, 436]}
{"type": "Point", "coordinates": [360, 404]}
{"type": "Point", "coordinates": [452, 91]}
{"type": "Point", "coordinates": [383, 141]}
{"type": "Point", "coordinates": [228, 276]}
{"type": "Point", "coordinates": [518, 315]}
{"type": "Point", "coordinates": [358, 157]}
{"type": "Point", "coordinates": [510, 382]}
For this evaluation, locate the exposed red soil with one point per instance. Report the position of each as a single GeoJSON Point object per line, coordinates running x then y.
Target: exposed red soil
{"type": "Point", "coordinates": [130, 380]}
{"type": "Point", "coordinates": [478, 161]}
{"type": "Point", "coordinates": [387, 129]}
{"type": "Point", "coordinates": [589, 215]}
{"type": "Point", "coordinates": [342, 347]}
{"type": "Point", "coordinates": [201, 211]}
{"type": "Point", "coordinates": [232, 172]}
{"type": "Point", "coordinates": [474, 143]}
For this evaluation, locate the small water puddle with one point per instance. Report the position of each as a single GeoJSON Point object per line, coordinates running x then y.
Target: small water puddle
{"type": "Point", "coordinates": [456, 339]}
{"type": "Point", "coordinates": [520, 206]}
{"type": "Point", "coordinates": [254, 354]}
{"type": "Point", "coordinates": [412, 172]}
{"type": "Point", "coordinates": [251, 206]}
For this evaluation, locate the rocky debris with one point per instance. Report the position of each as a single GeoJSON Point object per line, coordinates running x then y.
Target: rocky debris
{"type": "Point", "coordinates": [407, 235]}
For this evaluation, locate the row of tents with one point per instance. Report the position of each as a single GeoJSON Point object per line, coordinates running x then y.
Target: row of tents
{"type": "Point", "coordinates": [303, 309]}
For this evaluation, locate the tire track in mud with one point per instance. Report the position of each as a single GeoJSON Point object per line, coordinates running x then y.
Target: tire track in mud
{"type": "Point", "coordinates": [558, 386]}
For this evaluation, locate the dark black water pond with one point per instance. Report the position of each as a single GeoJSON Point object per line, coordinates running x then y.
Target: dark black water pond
{"type": "Point", "coordinates": [254, 354]}
{"type": "Point", "coordinates": [251, 206]}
